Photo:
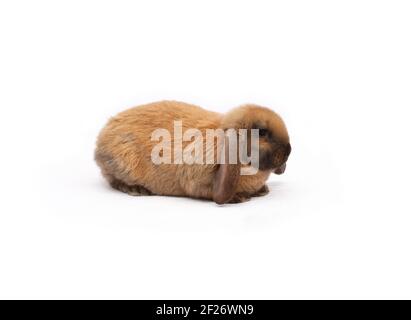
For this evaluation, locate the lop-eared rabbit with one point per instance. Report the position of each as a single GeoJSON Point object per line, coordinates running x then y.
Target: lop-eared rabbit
{"type": "Point", "coordinates": [125, 146]}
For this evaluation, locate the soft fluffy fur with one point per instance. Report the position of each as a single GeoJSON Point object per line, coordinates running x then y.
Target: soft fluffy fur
{"type": "Point", "coordinates": [124, 152]}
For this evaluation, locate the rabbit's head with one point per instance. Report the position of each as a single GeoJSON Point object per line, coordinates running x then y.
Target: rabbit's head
{"type": "Point", "coordinates": [273, 147]}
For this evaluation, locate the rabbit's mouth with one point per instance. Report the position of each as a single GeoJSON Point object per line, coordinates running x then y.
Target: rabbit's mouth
{"type": "Point", "coordinates": [280, 169]}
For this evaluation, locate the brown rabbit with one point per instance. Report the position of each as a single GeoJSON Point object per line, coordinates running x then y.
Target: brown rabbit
{"type": "Point", "coordinates": [125, 145]}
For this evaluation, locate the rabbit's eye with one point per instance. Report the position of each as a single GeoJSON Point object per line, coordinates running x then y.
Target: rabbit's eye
{"type": "Point", "coordinates": [263, 132]}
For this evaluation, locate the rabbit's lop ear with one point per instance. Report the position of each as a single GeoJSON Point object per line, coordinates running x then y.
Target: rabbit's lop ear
{"type": "Point", "coordinates": [226, 178]}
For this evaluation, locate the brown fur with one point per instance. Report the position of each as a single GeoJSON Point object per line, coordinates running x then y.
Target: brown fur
{"type": "Point", "coordinates": [124, 150]}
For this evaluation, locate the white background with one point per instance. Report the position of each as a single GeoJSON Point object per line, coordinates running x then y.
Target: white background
{"type": "Point", "coordinates": [335, 225]}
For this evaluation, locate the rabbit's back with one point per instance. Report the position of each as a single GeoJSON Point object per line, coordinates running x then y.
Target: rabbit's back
{"type": "Point", "coordinates": [124, 149]}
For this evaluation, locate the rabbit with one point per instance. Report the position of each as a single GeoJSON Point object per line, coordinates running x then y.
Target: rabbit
{"type": "Point", "coordinates": [125, 145]}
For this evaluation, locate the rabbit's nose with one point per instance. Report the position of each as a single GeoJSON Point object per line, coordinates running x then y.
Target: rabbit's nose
{"type": "Point", "coordinates": [288, 149]}
{"type": "Point", "coordinates": [280, 169]}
